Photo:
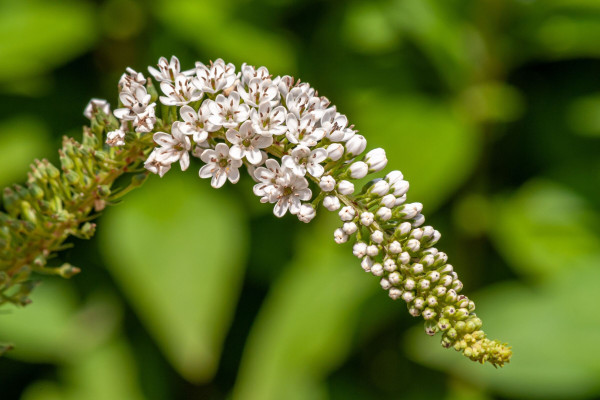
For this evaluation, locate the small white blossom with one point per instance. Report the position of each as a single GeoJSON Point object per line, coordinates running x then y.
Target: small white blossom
{"type": "Point", "coordinates": [345, 187]}
{"type": "Point", "coordinates": [174, 147]}
{"type": "Point", "coordinates": [304, 130]}
{"type": "Point", "coordinates": [153, 165]}
{"type": "Point", "coordinates": [358, 170]}
{"type": "Point", "coordinates": [349, 228]}
{"type": "Point", "coordinates": [215, 77]}
{"type": "Point", "coordinates": [372, 250]}
{"type": "Point", "coordinates": [196, 123]}
{"type": "Point", "coordinates": [284, 84]}
{"type": "Point", "coordinates": [179, 93]}
{"type": "Point", "coordinates": [366, 218]}
{"type": "Point", "coordinates": [167, 71]}
{"type": "Point", "coordinates": [281, 187]}
{"type": "Point", "coordinates": [389, 265]}
{"type": "Point", "coordinates": [334, 124]}
{"type": "Point", "coordinates": [339, 236]}
{"type": "Point", "coordinates": [267, 120]}
{"type": "Point", "coordinates": [115, 138]}
{"type": "Point", "coordinates": [301, 99]}
{"type": "Point", "coordinates": [332, 203]}
{"type": "Point", "coordinates": [335, 151]}
{"type": "Point", "coordinates": [302, 159]}
{"type": "Point", "coordinates": [145, 121]}
{"type": "Point", "coordinates": [134, 104]}
{"type": "Point", "coordinates": [249, 72]}
{"type": "Point", "coordinates": [267, 178]}
{"type": "Point", "coordinates": [356, 145]}
{"type": "Point", "coordinates": [130, 80]}
{"type": "Point", "coordinates": [359, 249]}
{"type": "Point", "coordinates": [347, 213]}
{"type": "Point", "coordinates": [377, 237]}
{"type": "Point", "coordinates": [327, 183]}
{"type": "Point", "coordinates": [258, 91]}
{"type": "Point", "coordinates": [246, 143]}
{"type": "Point", "coordinates": [227, 111]}
{"type": "Point", "coordinates": [400, 200]}
{"type": "Point", "coordinates": [384, 213]}
{"type": "Point", "coordinates": [376, 159]}
{"type": "Point", "coordinates": [220, 166]}
{"type": "Point", "coordinates": [94, 105]}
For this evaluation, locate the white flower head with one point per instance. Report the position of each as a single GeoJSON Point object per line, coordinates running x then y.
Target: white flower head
{"type": "Point", "coordinates": [153, 165]}
{"type": "Point", "coordinates": [174, 147]}
{"type": "Point", "coordinates": [115, 138]}
{"type": "Point", "coordinates": [179, 93]}
{"type": "Point", "coordinates": [219, 166]}
{"type": "Point", "coordinates": [284, 84]}
{"type": "Point", "coordinates": [268, 178]}
{"type": "Point", "coordinates": [131, 79]}
{"type": "Point", "coordinates": [334, 125]}
{"type": "Point", "coordinates": [215, 77]}
{"type": "Point", "coordinates": [196, 123]}
{"type": "Point", "coordinates": [247, 143]}
{"type": "Point", "coordinates": [167, 71]}
{"type": "Point", "coordinates": [94, 106]}
{"type": "Point", "coordinates": [267, 120]}
{"type": "Point", "coordinates": [288, 193]}
{"type": "Point", "coordinates": [226, 111]}
{"type": "Point", "coordinates": [303, 159]}
{"type": "Point", "coordinates": [301, 100]}
{"type": "Point", "coordinates": [134, 103]}
{"type": "Point", "coordinates": [303, 131]}
{"type": "Point", "coordinates": [259, 91]}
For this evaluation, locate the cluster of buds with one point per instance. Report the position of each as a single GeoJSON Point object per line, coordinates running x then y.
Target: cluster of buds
{"type": "Point", "coordinates": [293, 143]}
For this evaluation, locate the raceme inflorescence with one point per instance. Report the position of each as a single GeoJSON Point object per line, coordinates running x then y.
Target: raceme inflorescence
{"type": "Point", "coordinates": [297, 147]}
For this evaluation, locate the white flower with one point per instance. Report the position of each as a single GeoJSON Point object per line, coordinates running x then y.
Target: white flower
{"type": "Point", "coordinates": [356, 145]}
{"type": "Point", "coordinates": [145, 121]}
{"type": "Point", "coordinates": [347, 213]}
{"type": "Point", "coordinates": [303, 131]}
{"type": "Point", "coordinates": [288, 194]}
{"type": "Point", "coordinates": [115, 138]}
{"type": "Point", "coordinates": [220, 166]}
{"type": "Point", "coordinates": [94, 105]}
{"type": "Point", "coordinates": [180, 93]}
{"type": "Point", "coordinates": [327, 183]}
{"type": "Point", "coordinates": [153, 165]}
{"type": "Point", "coordinates": [381, 188]}
{"type": "Point", "coordinates": [267, 120]}
{"type": "Point", "coordinates": [268, 178]}
{"type": "Point", "coordinates": [335, 151]}
{"type": "Point", "coordinates": [303, 159]}
{"type": "Point", "coordinates": [332, 203]}
{"type": "Point", "coordinates": [134, 103]}
{"type": "Point", "coordinates": [334, 125]}
{"type": "Point", "coordinates": [339, 236]}
{"type": "Point", "coordinates": [384, 213]}
{"type": "Point", "coordinates": [300, 100]}
{"type": "Point", "coordinates": [366, 218]}
{"type": "Point", "coordinates": [258, 92]}
{"type": "Point", "coordinates": [284, 84]}
{"type": "Point", "coordinates": [307, 213]}
{"type": "Point", "coordinates": [215, 77]}
{"type": "Point", "coordinates": [167, 71]}
{"type": "Point", "coordinates": [376, 159]}
{"type": "Point", "coordinates": [174, 147]}
{"type": "Point", "coordinates": [130, 80]}
{"type": "Point", "coordinates": [358, 170]}
{"type": "Point", "coordinates": [345, 187]}
{"type": "Point", "coordinates": [249, 72]}
{"type": "Point", "coordinates": [196, 123]}
{"type": "Point", "coordinates": [226, 111]}
{"type": "Point", "coordinates": [246, 143]}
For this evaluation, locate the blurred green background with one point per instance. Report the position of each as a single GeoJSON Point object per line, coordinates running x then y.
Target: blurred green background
{"type": "Point", "coordinates": [491, 108]}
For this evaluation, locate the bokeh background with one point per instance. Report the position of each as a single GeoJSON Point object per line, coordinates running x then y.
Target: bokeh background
{"type": "Point", "coordinates": [491, 108]}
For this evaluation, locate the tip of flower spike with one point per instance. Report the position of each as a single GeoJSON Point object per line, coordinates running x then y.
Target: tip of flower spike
{"type": "Point", "coordinates": [484, 350]}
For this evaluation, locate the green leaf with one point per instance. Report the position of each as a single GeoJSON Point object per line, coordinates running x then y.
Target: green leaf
{"type": "Point", "coordinates": [306, 324]}
{"type": "Point", "coordinates": [177, 249]}
{"type": "Point", "coordinates": [554, 330]}
{"type": "Point", "coordinates": [425, 139]}
{"type": "Point", "coordinates": [545, 228]}
{"type": "Point", "coordinates": [22, 138]}
{"type": "Point", "coordinates": [44, 35]}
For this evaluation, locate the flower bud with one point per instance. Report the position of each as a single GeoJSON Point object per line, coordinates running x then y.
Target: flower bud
{"type": "Point", "coordinates": [395, 293]}
{"type": "Point", "coordinates": [413, 245]}
{"type": "Point", "coordinates": [345, 187]}
{"type": "Point", "coordinates": [408, 296]}
{"type": "Point", "coordinates": [395, 247]}
{"type": "Point", "coordinates": [377, 269]}
{"type": "Point", "coordinates": [400, 200]}
{"type": "Point", "coordinates": [332, 203]}
{"type": "Point", "coordinates": [347, 213]}
{"type": "Point", "coordinates": [356, 145]}
{"type": "Point", "coordinates": [359, 249]}
{"type": "Point", "coordinates": [358, 170]}
{"type": "Point", "coordinates": [366, 218]}
{"type": "Point", "coordinates": [385, 284]}
{"type": "Point", "coordinates": [384, 213]}
{"type": "Point", "coordinates": [404, 258]}
{"type": "Point", "coordinates": [377, 237]}
{"type": "Point", "coordinates": [388, 201]}
{"type": "Point", "coordinates": [372, 250]}
{"type": "Point", "coordinates": [409, 284]}
{"type": "Point", "coordinates": [429, 314]}
{"type": "Point", "coordinates": [400, 188]}
{"type": "Point", "coordinates": [380, 188]}
{"type": "Point", "coordinates": [395, 278]}
{"type": "Point", "coordinates": [349, 228]}
{"type": "Point", "coordinates": [432, 301]}
{"type": "Point", "coordinates": [394, 177]}
{"type": "Point", "coordinates": [307, 213]}
{"type": "Point", "coordinates": [335, 151]}
{"type": "Point", "coordinates": [366, 264]}
{"type": "Point", "coordinates": [418, 220]}
{"type": "Point", "coordinates": [327, 183]}
{"type": "Point", "coordinates": [376, 160]}
{"type": "Point", "coordinates": [339, 236]}
{"type": "Point", "coordinates": [417, 269]}
{"type": "Point", "coordinates": [389, 265]}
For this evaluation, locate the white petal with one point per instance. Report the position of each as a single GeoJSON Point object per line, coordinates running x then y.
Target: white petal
{"type": "Point", "coordinates": [253, 156]}
{"type": "Point", "coordinates": [236, 152]}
